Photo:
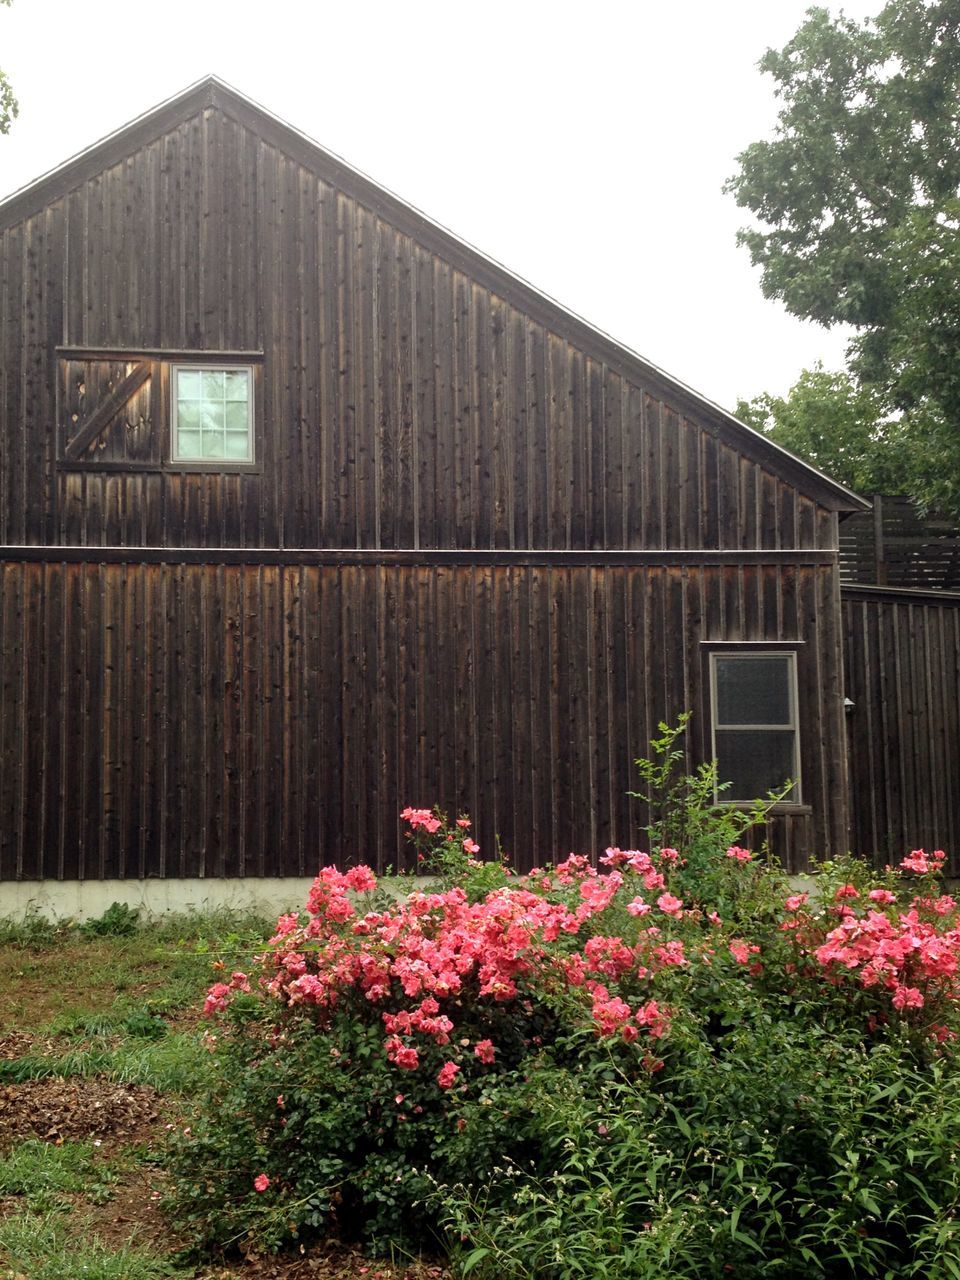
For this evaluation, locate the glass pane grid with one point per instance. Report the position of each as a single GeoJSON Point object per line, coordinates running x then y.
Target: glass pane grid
{"type": "Point", "coordinates": [755, 735]}
{"type": "Point", "coordinates": [212, 418]}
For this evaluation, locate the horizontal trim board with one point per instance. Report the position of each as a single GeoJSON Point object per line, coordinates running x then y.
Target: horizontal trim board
{"type": "Point", "coordinates": [909, 595]}
{"type": "Point", "coordinates": [156, 353]}
{"type": "Point", "coordinates": [210, 467]}
{"type": "Point", "coordinates": [749, 645]}
{"type": "Point", "coordinates": [408, 556]}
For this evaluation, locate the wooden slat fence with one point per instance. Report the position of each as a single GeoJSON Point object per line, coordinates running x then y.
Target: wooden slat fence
{"type": "Point", "coordinates": [902, 663]}
{"type": "Point", "coordinates": [895, 546]}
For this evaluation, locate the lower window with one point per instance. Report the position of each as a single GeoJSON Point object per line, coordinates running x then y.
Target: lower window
{"type": "Point", "coordinates": [755, 730]}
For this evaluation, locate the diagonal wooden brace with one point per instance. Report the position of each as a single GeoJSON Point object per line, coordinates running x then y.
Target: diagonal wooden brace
{"type": "Point", "coordinates": [108, 409]}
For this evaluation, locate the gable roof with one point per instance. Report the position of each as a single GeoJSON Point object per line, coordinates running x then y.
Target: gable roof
{"type": "Point", "coordinates": [213, 92]}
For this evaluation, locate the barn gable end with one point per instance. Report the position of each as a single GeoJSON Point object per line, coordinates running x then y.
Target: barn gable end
{"type": "Point", "coordinates": [475, 553]}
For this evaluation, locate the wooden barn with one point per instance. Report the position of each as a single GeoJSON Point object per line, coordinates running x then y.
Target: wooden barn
{"type": "Point", "coordinates": [309, 511]}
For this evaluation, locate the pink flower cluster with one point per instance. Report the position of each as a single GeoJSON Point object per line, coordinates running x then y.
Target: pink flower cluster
{"type": "Point", "coordinates": [439, 972]}
{"type": "Point", "coordinates": [421, 818]}
{"type": "Point", "coordinates": [912, 955]}
{"type": "Point", "coordinates": [219, 994]}
{"type": "Point", "coordinates": [922, 863]}
{"type": "Point", "coordinates": [439, 947]}
{"type": "Point", "coordinates": [431, 964]}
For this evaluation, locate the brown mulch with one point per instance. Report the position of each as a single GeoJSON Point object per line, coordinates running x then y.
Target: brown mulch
{"type": "Point", "coordinates": [117, 1116]}
{"type": "Point", "coordinates": [76, 1109]}
{"type": "Point", "coordinates": [17, 1044]}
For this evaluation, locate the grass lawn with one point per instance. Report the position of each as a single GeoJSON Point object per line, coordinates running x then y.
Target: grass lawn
{"type": "Point", "coordinates": [100, 1050]}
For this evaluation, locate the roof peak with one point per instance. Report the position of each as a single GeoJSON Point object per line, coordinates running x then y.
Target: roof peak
{"type": "Point", "coordinates": [213, 91]}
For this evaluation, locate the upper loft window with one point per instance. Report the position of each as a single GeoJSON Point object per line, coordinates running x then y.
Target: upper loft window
{"type": "Point", "coordinates": [755, 724]}
{"type": "Point", "coordinates": [122, 410]}
{"type": "Point", "coordinates": [211, 413]}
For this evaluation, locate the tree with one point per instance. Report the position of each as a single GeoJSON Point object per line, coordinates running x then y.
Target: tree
{"type": "Point", "coordinates": [9, 107]}
{"type": "Point", "coordinates": [838, 426]}
{"type": "Point", "coordinates": [858, 193]}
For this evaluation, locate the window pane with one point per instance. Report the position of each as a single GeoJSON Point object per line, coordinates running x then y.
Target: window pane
{"type": "Point", "coordinates": [213, 416]}
{"type": "Point", "coordinates": [236, 411]}
{"type": "Point", "coordinates": [188, 385]}
{"type": "Point", "coordinates": [753, 690]}
{"type": "Point", "coordinates": [212, 382]}
{"type": "Point", "coordinates": [188, 415]}
{"type": "Point", "coordinates": [237, 446]}
{"type": "Point", "coordinates": [188, 444]}
{"type": "Point", "coordinates": [236, 385]}
{"type": "Point", "coordinates": [213, 444]}
{"type": "Point", "coordinates": [755, 762]}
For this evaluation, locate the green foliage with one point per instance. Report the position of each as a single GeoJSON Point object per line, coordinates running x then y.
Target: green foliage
{"type": "Point", "coordinates": [685, 812]}
{"type": "Point", "coordinates": [35, 1169]}
{"type": "Point", "coordinates": [343, 1137]}
{"type": "Point", "coordinates": [774, 1150]}
{"type": "Point", "coordinates": [32, 930]}
{"type": "Point", "coordinates": [857, 194]}
{"type": "Point", "coordinates": [9, 107]}
{"type": "Point", "coordinates": [118, 921]}
{"type": "Point", "coordinates": [173, 1064]}
{"type": "Point", "coordinates": [839, 426]}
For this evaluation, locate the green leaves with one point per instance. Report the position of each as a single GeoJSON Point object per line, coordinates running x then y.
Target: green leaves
{"type": "Point", "coordinates": [9, 107]}
{"type": "Point", "coordinates": [840, 426]}
{"type": "Point", "coordinates": [856, 197]}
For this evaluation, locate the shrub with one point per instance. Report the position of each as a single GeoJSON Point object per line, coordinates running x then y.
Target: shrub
{"type": "Point", "coordinates": [587, 1072]}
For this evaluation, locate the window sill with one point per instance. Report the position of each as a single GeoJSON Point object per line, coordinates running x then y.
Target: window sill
{"type": "Point", "coordinates": [212, 467]}
{"type": "Point", "coordinates": [783, 809]}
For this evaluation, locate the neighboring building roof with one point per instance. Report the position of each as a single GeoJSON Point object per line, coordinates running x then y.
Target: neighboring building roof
{"type": "Point", "coordinates": [212, 92]}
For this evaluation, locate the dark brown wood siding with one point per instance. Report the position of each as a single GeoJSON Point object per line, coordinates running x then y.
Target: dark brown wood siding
{"type": "Point", "coordinates": [175, 718]}
{"type": "Point", "coordinates": [405, 402]}
{"type": "Point", "coordinates": [902, 661]}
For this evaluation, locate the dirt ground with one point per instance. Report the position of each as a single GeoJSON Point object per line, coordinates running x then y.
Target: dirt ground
{"type": "Point", "coordinates": [119, 1117]}
{"type": "Point", "coordinates": [126, 1123]}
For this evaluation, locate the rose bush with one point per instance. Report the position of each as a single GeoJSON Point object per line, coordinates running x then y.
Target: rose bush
{"type": "Point", "coordinates": [595, 1071]}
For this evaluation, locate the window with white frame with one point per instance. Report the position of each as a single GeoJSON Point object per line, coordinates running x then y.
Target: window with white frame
{"type": "Point", "coordinates": [756, 737]}
{"type": "Point", "coordinates": [211, 413]}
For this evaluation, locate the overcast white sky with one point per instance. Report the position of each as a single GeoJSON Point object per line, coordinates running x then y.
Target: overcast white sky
{"type": "Point", "coordinates": [583, 145]}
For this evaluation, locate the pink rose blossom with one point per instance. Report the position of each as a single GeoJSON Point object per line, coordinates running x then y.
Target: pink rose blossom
{"type": "Point", "coordinates": [846, 891]}
{"type": "Point", "coordinates": [261, 1182]}
{"type": "Point", "coordinates": [882, 895]}
{"type": "Point", "coordinates": [738, 854]}
{"type": "Point", "coordinates": [742, 951]}
{"type": "Point", "coordinates": [447, 1074]}
{"type": "Point", "coordinates": [484, 1050]}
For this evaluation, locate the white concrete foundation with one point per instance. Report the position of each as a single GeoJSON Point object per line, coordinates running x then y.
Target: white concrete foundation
{"type": "Point", "coordinates": [87, 899]}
